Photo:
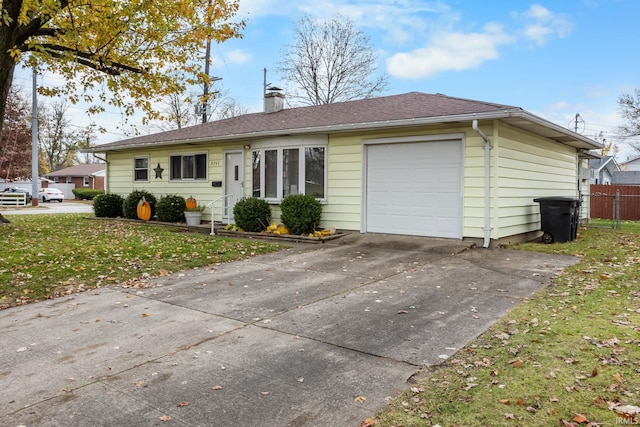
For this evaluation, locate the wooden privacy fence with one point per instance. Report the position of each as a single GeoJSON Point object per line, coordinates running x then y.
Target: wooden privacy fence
{"type": "Point", "coordinates": [616, 202]}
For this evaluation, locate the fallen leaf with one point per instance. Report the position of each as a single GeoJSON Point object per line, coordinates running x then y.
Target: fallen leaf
{"type": "Point", "coordinates": [594, 373]}
{"type": "Point", "coordinates": [517, 363]}
{"type": "Point", "coordinates": [360, 399]}
{"type": "Point", "coordinates": [532, 409]}
{"type": "Point", "coordinates": [627, 411]}
{"type": "Point", "coordinates": [181, 404]}
{"type": "Point", "coordinates": [165, 418]}
{"type": "Point", "coordinates": [520, 402]}
{"type": "Point", "coordinates": [145, 314]}
{"type": "Point", "coordinates": [402, 311]}
{"type": "Point", "coordinates": [367, 423]}
{"type": "Point", "coordinates": [139, 384]}
{"type": "Point", "coordinates": [264, 393]}
{"type": "Point", "coordinates": [618, 377]}
{"type": "Point", "coordinates": [553, 399]}
{"type": "Point", "coordinates": [580, 419]}
{"type": "Point", "coordinates": [216, 387]}
{"type": "Point", "coordinates": [505, 401]}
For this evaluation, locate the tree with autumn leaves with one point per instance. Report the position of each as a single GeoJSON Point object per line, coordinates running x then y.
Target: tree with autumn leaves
{"type": "Point", "coordinates": [126, 53]}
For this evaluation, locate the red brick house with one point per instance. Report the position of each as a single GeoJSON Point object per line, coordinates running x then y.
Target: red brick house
{"type": "Point", "coordinates": [90, 175]}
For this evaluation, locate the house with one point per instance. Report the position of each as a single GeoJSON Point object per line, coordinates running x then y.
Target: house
{"type": "Point", "coordinates": [88, 175]}
{"type": "Point", "coordinates": [412, 164]}
{"type": "Point", "coordinates": [632, 164]}
{"type": "Point", "coordinates": [626, 177]}
{"type": "Point", "coordinates": [602, 169]}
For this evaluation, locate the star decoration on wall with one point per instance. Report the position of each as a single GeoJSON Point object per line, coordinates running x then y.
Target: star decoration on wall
{"type": "Point", "coordinates": [158, 170]}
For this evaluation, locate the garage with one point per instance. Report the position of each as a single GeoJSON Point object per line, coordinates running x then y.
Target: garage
{"type": "Point", "coordinates": [413, 187]}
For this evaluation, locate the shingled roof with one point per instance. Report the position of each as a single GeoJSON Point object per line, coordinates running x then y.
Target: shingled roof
{"type": "Point", "coordinates": [389, 111]}
{"type": "Point", "coordinates": [85, 169]}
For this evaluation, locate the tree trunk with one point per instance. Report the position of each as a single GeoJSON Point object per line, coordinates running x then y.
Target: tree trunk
{"type": "Point", "coordinates": [9, 34]}
{"type": "Point", "coordinates": [7, 66]}
{"type": "Point", "coordinates": [3, 220]}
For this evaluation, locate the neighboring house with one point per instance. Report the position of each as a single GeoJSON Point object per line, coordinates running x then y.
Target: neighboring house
{"type": "Point", "coordinates": [602, 169]}
{"type": "Point", "coordinates": [89, 175]}
{"type": "Point", "coordinates": [626, 177]}
{"type": "Point", "coordinates": [412, 164]}
{"type": "Point", "coordinates": [633, 164]}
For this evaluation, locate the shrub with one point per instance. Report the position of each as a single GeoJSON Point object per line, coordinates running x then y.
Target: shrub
{"type": "Point", "coordinates": [252, 214]}
{"type": "Point", "coordinates": [300, 213]}
{"type": "Point", "coordinates": [108, 205]}
{"type": "Point", "coordinates": [130, 203]}
{"type": "Point", "coordinates": [86, 193]}
{"type": "Point", "coordinates": [170, 208]}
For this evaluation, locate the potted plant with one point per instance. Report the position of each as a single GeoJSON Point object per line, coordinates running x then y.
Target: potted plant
{"type": "Point", "coordinates": [193, 215]}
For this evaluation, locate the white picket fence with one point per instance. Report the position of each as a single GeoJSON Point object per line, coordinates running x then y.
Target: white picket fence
{"type": "Point", "coordinates": [13, 199]}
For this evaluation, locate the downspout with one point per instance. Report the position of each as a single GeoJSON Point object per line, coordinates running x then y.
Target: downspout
{"type": "Point", "coordinates": [487, 184]}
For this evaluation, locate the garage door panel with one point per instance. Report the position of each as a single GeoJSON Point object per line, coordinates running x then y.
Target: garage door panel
{"type": "Point", "coordinates": [414, 188]}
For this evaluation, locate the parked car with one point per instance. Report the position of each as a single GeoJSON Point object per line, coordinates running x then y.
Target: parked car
{"type": "Point", "coordinates": [49, 194]}
{"type": "Point", "coordinates": [18, 190]}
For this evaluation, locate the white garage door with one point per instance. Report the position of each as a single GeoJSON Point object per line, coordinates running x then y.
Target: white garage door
{"type": "Point", "coordinates": [414, 188]}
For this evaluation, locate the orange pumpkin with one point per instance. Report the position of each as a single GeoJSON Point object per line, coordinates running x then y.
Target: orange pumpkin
{"type": "Point", "coordinates": [191, 203]}
{"type": "Point", "coordinates": [143, 209]}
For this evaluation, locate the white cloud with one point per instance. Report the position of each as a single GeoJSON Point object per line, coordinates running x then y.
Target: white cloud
{"type": "Point", "coordinates": [542, 24]}
{"type": "Point", "coordinates": [237, 56]}
{"type": "Point", "coordinates": [451, 51]}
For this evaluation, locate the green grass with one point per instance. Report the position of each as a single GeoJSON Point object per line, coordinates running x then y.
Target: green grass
{"type": "Point", "coordinates": [565, 357]}
{"type": "Point", "coordinates": [50, 255]}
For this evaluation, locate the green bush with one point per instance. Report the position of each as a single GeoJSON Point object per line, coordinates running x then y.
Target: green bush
{"type": "Point", "coordinates": [171, 208]}
{"type": "Point", "coordinates": [300, 213]}
{"type": "Point", "coordinates": [86, 193]}
{"type": "Point", "coordinates": [252, 214]}
{"type": "Point", "coordinates": [130, 204]}
{"type": "Point", "coordinates": [108, 205]}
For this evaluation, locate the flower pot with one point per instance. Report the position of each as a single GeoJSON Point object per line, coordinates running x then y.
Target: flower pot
{"type": "Point", "coordinates": [193, 218]}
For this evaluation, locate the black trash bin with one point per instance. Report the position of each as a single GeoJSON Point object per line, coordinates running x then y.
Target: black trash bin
{"type": "Point", "coordinates": [558, 218]}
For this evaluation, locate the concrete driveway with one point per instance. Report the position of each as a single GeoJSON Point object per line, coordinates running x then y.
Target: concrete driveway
{"type": "Point", "coordinates": [317, 335]}
{"type": "Point", "coordinates": [68, 206]}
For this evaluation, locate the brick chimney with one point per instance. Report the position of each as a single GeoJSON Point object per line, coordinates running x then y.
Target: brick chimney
{"type": "Point", "coordinates": [273, 102]}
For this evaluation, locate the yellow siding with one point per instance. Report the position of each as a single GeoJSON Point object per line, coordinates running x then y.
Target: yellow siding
{"type": "Point", "coordinates": [528, 166]}
{"type": "Point", "coordinates": [121, 174]}
{"type": "Point", "coordinates": [344, 189]}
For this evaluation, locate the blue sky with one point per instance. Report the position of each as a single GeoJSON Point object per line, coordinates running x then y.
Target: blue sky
{"type": "Point", "coordinates": [552, 58]}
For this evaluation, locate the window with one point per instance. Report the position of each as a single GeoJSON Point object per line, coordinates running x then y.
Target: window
{"type": "Point", "coordinates": [141, 169]}
{"type": "Point", "coordinates": [279, 172]}
{"type": "Point", "coordinates": [188, 167]}
{"type": "Point", "coordinates": [85, 182]}
{"type": "Point", "coordinates": [69, 180]}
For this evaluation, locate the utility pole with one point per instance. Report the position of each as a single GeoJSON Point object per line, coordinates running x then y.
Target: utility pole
{"type": "Point", "coordinates": [205, 99]}
{"type": "Point", "coordinates": [34, 142]}
{"type": "Point", "coordinates": [207, 59]}
{"type": "Point", "coordinates": [265, 84]}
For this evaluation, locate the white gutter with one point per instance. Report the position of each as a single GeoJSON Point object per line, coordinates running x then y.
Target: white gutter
{"type": "Point", "coordinates": [487, 184]}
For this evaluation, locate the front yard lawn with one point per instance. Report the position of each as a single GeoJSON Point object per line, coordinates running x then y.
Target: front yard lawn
{"type": "Point", "coordinates": [46, 256]}
{"type": "Point", "coordinates": [569, 356]}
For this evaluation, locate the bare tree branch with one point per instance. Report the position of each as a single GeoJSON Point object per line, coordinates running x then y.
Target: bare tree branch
{"type": "Point", "coordinates": [330, 62]}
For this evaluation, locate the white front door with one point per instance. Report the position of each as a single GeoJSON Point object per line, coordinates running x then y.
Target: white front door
{"type": "Point", "coordinates": [233, 182]}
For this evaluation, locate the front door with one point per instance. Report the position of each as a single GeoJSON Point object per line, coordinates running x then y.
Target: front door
{"type": "Point", "coordinates": [233, 182]}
